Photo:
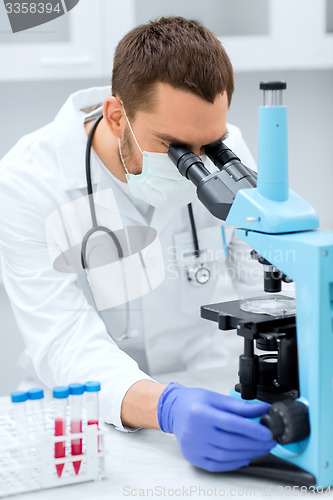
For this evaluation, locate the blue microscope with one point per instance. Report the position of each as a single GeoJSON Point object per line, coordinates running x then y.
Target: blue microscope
{"type": "Point", "coordinates": [296, 376]}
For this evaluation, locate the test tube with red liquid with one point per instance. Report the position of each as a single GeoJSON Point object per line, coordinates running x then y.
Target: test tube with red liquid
{"type": "Point", "coordinates": [60, 395]}
{"type": "Point", "coordinates": [92, 389]}
{"type": "Point", "coordinates": [76, 396]}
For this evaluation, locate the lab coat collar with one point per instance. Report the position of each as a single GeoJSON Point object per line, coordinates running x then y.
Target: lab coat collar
{"type": "Point", "coordinates": [127, 208]}
{"type": "Point", "coordinates": [162, 217]}
{"type": "Point", "coordinates": [71, 139]}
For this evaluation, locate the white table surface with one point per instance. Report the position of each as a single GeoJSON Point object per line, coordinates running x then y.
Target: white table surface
{"type": "Point", "coordinates": [149, 464]}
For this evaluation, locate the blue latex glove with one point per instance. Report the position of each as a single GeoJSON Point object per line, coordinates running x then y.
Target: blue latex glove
{"type": "Point", "coordinates": [213, 430]}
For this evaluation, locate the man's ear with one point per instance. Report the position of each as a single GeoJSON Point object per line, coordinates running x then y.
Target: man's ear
{"type": "Point", "coordinates": [113, 115]}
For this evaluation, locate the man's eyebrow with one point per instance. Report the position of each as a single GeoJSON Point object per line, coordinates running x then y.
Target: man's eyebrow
{"type": "Point", "coordinates": [167, 138]}
{"type": "Point", "coordinates": [173, 140]}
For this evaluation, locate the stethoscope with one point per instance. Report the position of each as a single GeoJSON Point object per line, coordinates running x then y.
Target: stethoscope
{"type": "Point", "coordinates": [97, 228]}
{"type": "Point", "coordinates": [197, 273]}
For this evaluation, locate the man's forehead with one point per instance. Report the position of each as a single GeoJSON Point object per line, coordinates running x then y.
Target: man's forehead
{"type": "Point", "coordinates": [185, 107]}
{"type": "Point", "coordinates": [180, 115]}
{"type": "Point", "coordinates": [183, 117]}
{"type": "Point", "coordinates": [179, 139]}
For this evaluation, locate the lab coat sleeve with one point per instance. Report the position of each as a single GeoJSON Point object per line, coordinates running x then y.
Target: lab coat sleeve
{"type": "Point", "coordinates": [65, 337]}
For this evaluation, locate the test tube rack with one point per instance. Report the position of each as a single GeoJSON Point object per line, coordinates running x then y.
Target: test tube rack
{"type": "Point", "coordinates": [29, 464]}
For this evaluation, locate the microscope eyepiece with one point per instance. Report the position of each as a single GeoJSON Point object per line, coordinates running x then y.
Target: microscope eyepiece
{"type": "Point", "coordinates": [225, 159]}
{"type": "Point", "coordinates": [177, 152]}
{"type": "Point", "coordinates": [189, 164]}
{"type": "Point", "coordinates": [216, 190]}
{"type": "Point", "coordinates": [220, 154]}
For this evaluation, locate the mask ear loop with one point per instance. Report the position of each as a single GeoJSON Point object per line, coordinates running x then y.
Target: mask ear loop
{"type": "Point", "coordinates": [130, 127]}
{"type": "Point", "coordinates": [122, 158]}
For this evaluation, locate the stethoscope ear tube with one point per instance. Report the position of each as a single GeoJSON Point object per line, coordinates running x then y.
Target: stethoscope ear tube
{"type": "Point", "coordinates": [88, 170]}
{"type": "Point", "coordinates": [194, 231]}
{"type": "Point", "coordinates": [96, 227]}
{"type": "Point", "coordinates": [95, 230]}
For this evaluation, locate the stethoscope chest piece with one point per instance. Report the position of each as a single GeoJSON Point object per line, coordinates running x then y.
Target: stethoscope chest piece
{"type": "Point", "coordinates": [198, 274]}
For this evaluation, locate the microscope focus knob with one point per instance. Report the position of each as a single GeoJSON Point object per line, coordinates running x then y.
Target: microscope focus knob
{"type": "Point", "coordinates": [288, 421]}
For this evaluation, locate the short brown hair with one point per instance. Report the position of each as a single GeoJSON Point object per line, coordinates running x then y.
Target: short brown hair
{"type": "Point", "coordinates": [172, 50]}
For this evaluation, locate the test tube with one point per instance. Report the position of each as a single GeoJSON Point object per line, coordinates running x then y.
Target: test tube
{"type": "Point", "coordinates": [19, 399]}
{"type": "Point", "coordinates": [60, 395]}
{"type": "Point", "coordinates": [92, 388]}
{"type": "Point", "coordinates": [76, 392]}
{"type": "Point", "coordinates": [36, 397]}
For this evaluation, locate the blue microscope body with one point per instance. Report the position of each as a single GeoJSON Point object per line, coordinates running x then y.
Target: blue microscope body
{"type": "Point", "coordinates": [282, 228]}
{"type": "Point", "coordinates": [272, 218]}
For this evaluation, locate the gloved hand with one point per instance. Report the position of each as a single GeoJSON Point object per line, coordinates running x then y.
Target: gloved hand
{"type": "Point", "coordinates": [213, 430]}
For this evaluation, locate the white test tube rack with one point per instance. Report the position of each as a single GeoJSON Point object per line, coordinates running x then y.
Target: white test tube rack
{"type": "Point", "coordinates": [30, 465]}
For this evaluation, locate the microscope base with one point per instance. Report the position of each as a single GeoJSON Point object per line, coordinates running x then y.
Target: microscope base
{"type": "Point", "coordinates": [275, 468]}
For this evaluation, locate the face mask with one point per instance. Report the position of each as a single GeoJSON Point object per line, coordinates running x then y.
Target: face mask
{"type": "Point", "coordinates": [159, 184]}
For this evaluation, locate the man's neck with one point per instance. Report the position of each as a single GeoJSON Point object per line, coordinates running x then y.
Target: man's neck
{"type": "Point", "coordinates": [105, 146]}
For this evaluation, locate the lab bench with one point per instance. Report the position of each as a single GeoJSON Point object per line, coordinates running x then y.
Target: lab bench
{"type": "Point", "coordinates": [149, 464]}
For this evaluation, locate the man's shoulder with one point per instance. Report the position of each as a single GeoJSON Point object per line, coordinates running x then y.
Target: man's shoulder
{"type": "Point", "coordinates": [234, 133]}
{"type": "Point", "coordinates": [44, 145]}
{"type": "Point", "coordinates": [236, 142]}
{"type": "Point", "coordinates": [29, 175]}
{"type": "Point", "coordinates": [25, 149]}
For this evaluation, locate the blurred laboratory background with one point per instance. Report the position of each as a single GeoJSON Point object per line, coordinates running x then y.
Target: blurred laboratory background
{"type": "Point", "coordinates": [265, 39]}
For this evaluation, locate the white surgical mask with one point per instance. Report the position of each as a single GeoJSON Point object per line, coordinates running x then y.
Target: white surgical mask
{"type": "Point", "coordinates": [160, 184]}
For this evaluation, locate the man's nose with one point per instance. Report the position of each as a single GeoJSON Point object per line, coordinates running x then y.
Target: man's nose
{"type": "Point", "coordinates": [198, 151]}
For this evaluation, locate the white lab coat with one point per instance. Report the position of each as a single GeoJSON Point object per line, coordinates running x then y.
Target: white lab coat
{"type": "Point", "coordinates": [66, 338]}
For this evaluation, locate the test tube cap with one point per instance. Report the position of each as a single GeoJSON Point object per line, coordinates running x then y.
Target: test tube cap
{"type": "Point", "coordinates": [60, 392]}
{"type": "Point", "coordinates": [92, 386]}
{"type": "Point", "coordinates": [35, 393]}
{"type": "Point", "coordinates": [19, 396]}
{"type": "Point", "coordinates": [76, 389]}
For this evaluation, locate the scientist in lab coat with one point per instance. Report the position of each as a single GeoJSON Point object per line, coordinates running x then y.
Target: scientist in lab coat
{"type": "Point", "coordinates": [172, 82]}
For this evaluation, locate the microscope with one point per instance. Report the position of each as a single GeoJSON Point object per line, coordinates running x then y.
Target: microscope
{"type": "Point", "coordinates": [295, 374]}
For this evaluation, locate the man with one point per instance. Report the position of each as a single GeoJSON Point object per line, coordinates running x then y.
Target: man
{"type": "Point", "coordinates": [172, 82]}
